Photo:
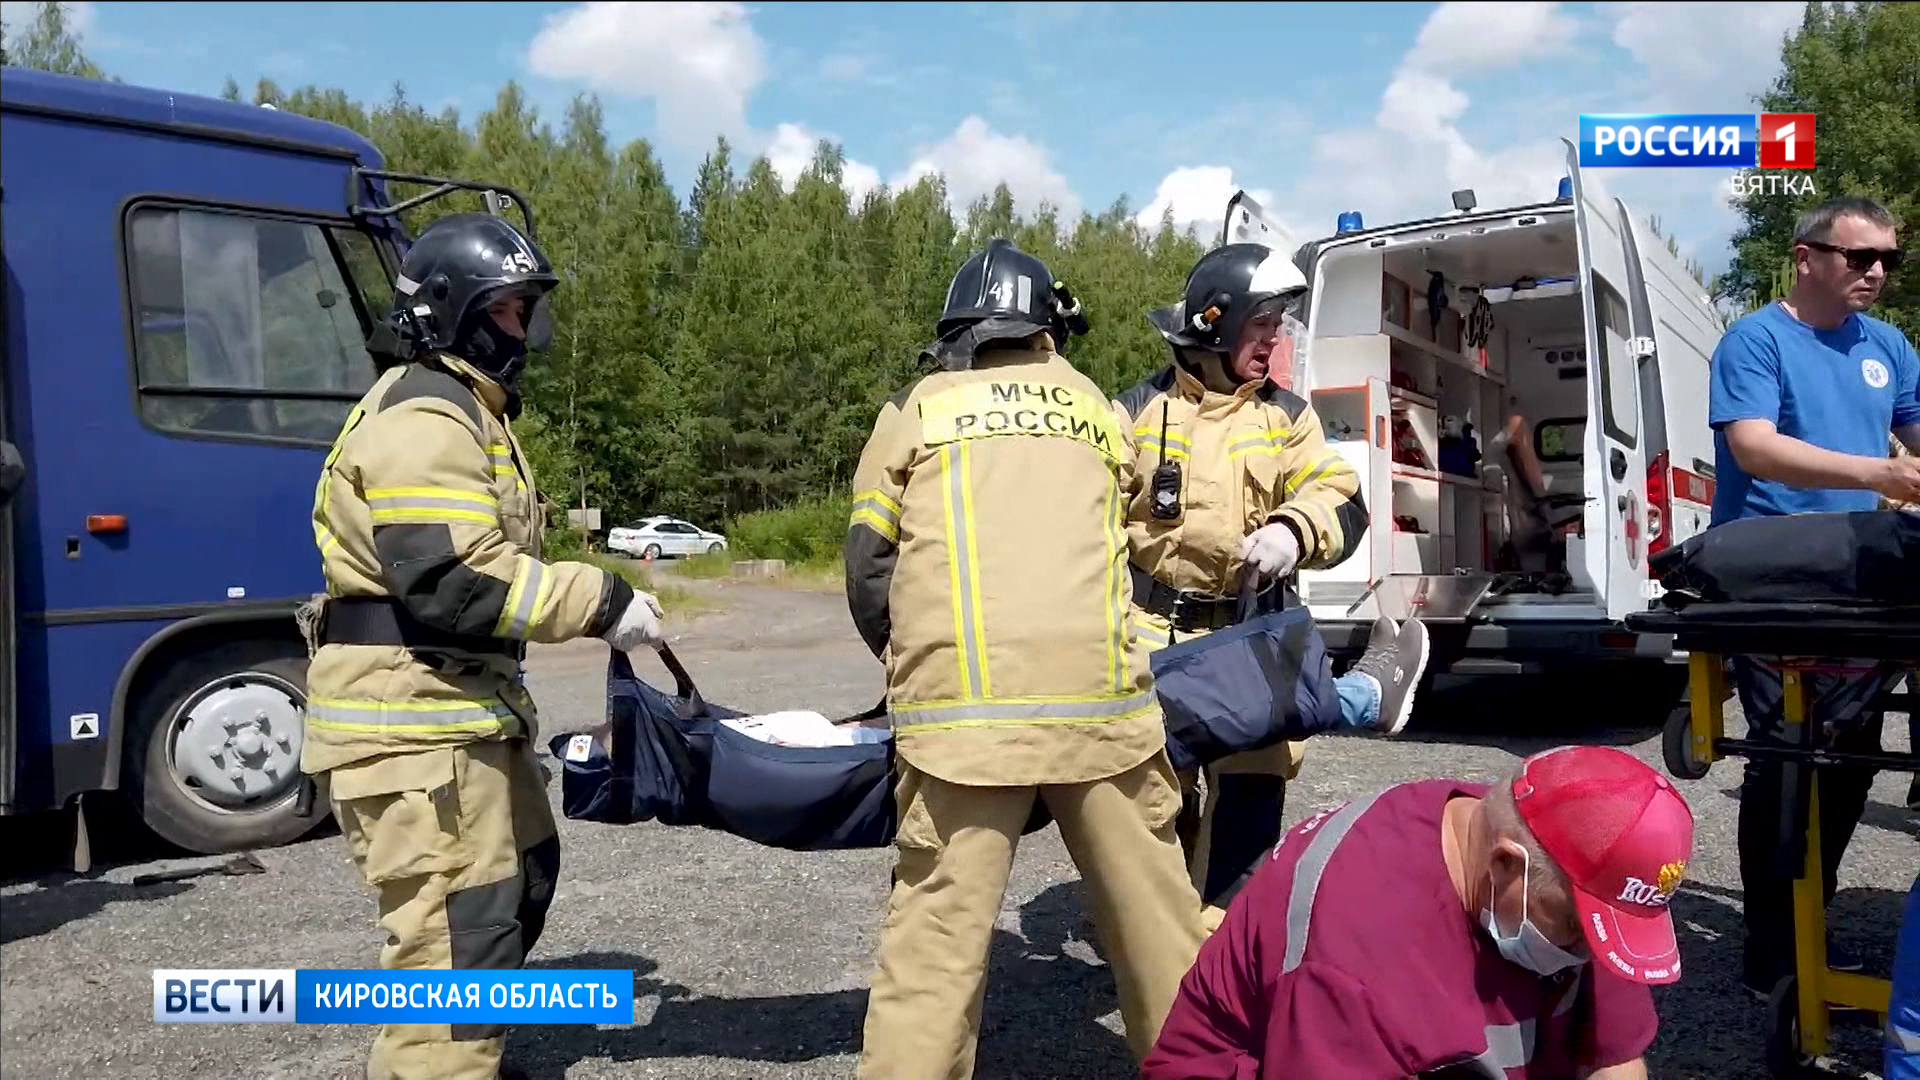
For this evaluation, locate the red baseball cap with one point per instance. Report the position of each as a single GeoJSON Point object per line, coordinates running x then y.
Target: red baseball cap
{"type": "Point", "coordinates": [1622, 834]}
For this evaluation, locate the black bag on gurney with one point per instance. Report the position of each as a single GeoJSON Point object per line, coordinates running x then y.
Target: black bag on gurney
{"type": "Point", "coordinates": [672, 760]}
{"type": "Point", "coordinates": [1860, 559]}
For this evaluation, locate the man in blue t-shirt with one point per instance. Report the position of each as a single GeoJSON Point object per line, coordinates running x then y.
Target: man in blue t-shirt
{"type": "Point", "coordinates": [1805, 392]}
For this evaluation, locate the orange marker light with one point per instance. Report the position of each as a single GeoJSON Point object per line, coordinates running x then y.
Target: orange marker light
{"type": "Point", "coordinates": [106, 523]}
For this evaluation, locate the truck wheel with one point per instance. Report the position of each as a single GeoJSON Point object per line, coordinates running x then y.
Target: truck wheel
{"type": "Point", "coordinates": [214, 749]}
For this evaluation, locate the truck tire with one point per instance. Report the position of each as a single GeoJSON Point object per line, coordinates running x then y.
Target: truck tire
{"type": "Point", "coordinates": [213, 748]}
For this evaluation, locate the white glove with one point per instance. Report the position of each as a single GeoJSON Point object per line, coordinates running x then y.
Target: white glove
{"type": "Point", "coordinates": [638, 625]}
{"type": "Point", "coordinates": [1272, 550]}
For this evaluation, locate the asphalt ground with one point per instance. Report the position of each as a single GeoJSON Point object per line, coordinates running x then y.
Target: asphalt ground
{"type": "Point", "coordinates": [752, 962]}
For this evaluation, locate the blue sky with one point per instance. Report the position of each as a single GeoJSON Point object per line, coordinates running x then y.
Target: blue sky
{"type": "Point", "coordinates": [1381, 107]}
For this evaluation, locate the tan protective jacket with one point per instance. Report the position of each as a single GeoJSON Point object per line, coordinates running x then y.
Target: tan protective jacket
{"type": "Point", "coordinates": [986, 567]}
{"type": "Point", "coordinates": [1247, 459]}
{"type": "Point", "coordinates": [427, 507]}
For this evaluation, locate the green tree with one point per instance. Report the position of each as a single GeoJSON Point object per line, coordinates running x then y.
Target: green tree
{"type": "Point", "coordinates": [727, 356]}
{"type": "Point", "coordinates": [49, 44]}
{"type": "Point", "coordinates": [1857, 68]}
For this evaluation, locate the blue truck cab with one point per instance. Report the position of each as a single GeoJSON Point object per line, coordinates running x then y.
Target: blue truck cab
{"type": "Point", "coordinates": [190, 284]}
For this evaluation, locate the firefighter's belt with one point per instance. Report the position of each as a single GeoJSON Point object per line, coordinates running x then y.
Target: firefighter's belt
{"type": "Point", "coordinates": [382, 620]}
{"type": "Point", "coordinates": [1189, 611]}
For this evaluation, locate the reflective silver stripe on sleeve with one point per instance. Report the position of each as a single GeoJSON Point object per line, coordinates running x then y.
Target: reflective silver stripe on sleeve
{"type": "Point", "coordinates": [1509, 1046]}
{"type": "Point", "coordinates": [1016, 711]}
{"type": "Point", "coordinates": [1307, 872]}
{"type": "Point", "coordinates": [1900, 1038]}
{"type": "Point", "coordinates": [368, 715]}
{"type": "Point", "coordinates": [524, 598]}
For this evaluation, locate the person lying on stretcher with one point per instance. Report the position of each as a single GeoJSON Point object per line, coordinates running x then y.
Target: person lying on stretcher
{"type": "Point", "coordinates": [1444, 928]}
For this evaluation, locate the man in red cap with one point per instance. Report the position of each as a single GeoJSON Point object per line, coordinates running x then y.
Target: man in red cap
{"type": "Point", "coordinates": [1443, 928]}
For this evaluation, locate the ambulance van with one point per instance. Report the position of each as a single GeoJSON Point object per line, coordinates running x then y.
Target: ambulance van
{"type": "Point", "coordinates": [1523, 393]}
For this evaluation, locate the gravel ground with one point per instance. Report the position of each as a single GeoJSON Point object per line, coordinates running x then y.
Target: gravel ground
{"type": "Point", "coordinates": [751, 962]}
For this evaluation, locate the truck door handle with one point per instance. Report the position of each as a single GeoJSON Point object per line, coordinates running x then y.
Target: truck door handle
{"type": "Point", "coordinates": [1621, 504]}
{"type": "Point", "coordinates": [1619, 462]}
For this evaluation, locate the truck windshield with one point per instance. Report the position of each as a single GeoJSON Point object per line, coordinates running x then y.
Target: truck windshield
{"type": "Point", "coordinates": [251, 326]}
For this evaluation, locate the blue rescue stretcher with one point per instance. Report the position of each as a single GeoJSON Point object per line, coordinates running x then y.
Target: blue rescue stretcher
{"type": "Point", "coordinates": [671, 758]}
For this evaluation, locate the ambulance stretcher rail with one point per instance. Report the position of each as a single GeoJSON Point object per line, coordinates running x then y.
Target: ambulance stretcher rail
{"type": "Point", "coordinates": [1801, 639]}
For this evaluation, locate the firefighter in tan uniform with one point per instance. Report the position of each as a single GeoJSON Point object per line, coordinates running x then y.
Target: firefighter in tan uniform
{"type": "Point", "coordinates": [986, 567]}
{"type": "Point", "coordinates": [419, 727]}
{"type": "Point", "coordinates": [1237, 474]}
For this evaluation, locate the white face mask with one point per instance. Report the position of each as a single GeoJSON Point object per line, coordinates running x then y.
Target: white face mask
{"type": "Point", "coordinates": [1527, 947]}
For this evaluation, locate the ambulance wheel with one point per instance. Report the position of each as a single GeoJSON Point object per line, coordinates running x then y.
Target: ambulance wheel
{"type": "Point", "coordinates": [213, 748]}
{"type": "Point", "coordinates": [1676, 743]}
{"type": "Point", "coordinates": [1782, 1053]}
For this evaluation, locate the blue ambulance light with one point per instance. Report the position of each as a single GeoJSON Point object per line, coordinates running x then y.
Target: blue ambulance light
{"type": "Point", "coordinates": [1348, 222]}
{"type": "Point", "coordinates": [1566, 190]}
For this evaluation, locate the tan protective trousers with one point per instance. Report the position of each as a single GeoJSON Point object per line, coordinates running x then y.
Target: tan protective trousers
{"type": "Point", "coordinates": [956, 848]}
{"type": "Point", "coordinates": [461, 845]}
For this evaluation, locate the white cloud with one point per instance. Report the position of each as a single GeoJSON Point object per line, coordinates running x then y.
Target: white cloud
{"type": "Point", "coordinates": [699, 61]}
{"type": "Point", "coordinates": [20, 14]}
{"type": "Point", "coordinates": [975, 158]}
{"type": "Point", "coordinates": [1414, 154]}
{"type": "Point", "coordinates": [1416, 151]}
{"type": "Point", "coordinates": [791, 151]}
{"type": "Point", "coordinates": [1469, 35]}
{"type": "Point", "coordinates": [1198, 196]}
{"type": "Point", "coordinates": [1697, 58]}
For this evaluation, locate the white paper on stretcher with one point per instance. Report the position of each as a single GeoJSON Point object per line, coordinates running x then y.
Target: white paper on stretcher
{"type": "Point", "coordinates": [802, 728]}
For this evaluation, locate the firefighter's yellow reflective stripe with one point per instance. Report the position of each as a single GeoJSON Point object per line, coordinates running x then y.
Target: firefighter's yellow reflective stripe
{"type": "Point", "coordinates": [431, 505]}
{"type": "Point", "coordinates": [1150, 444]}
{"type": "Point", "coordinates": [876, 510]}
{"type": "Point", "coordinates": [373, 716]}
{"type": "Point", "coordinates": [1117, 580]}
{"type": "Point", "coordinates": [1005, 712]}
{"type": "Point", "coordinates": [963, 576]}
{"type": "Point", "coordinates": [1150, 429]}
{"type": "Point", "coordinates": [1260, 442]}
{"type": "Point", "coordinates": [526, 597]}
{"type": "Point", "coordinates": [500, 456]}
{"type": "Point", "coordinates": [989, 409]}
{"type": "Point", "coordinates": [1326, 465]}
{"type": "Point", "coordinates": [1152, 636]}
{"type": "Point", "coordinates": [323, 536]}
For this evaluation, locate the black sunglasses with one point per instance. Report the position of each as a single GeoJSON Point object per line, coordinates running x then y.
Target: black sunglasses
{"type": "Point", "coordinates": [1860, 260]}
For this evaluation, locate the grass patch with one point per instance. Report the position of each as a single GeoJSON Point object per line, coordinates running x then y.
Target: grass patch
{"type": "Point", "coordinates": [808, 535]}
{"type": "Point", "coordinates": [563, 544]}
{"type": "Point", "coordinates": [717, 565]}
{"type": "Point", "coordinates": [671, 596]}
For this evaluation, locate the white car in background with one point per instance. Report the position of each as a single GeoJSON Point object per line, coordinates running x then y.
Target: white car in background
{"type": "Point", "coordinates": [658, 537]}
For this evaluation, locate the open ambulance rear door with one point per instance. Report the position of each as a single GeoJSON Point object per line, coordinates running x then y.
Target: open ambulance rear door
{"type": "Point", "coordinates": [1615, 465]}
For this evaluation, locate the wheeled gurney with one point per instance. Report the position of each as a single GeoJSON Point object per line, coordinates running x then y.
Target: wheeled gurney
{"type": "Point", "coordinates": [1800, 639]}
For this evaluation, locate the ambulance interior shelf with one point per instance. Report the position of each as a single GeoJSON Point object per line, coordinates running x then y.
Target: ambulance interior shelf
{"type": "Point", "coordinates": [1428, 394]}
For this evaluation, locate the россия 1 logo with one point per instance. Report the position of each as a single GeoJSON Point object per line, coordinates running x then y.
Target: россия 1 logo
{"type": "Point", "coordinates": [1704, 140]}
